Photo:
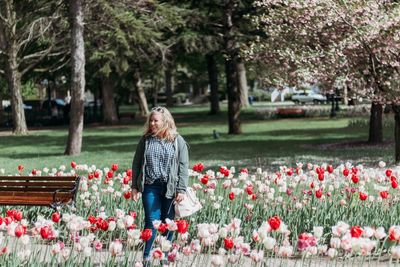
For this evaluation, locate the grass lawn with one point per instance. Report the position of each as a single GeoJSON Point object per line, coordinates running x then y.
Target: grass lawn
{"type": "Point", "coordinates": [264, 143]}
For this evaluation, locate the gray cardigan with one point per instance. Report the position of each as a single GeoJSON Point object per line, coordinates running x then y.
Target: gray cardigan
{"type": "Point", "coordinates": [178, 176]}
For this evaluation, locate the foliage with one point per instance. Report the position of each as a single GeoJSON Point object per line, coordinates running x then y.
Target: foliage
{"type": "Point", "coordinates": [29, 90]}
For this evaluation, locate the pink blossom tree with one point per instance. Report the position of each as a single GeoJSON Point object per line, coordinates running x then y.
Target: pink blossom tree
{"type": "Point", "coordinates": [356, 42]}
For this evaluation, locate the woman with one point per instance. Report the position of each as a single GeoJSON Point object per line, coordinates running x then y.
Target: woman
{"type": "Point", "coordinates": [160, 171]}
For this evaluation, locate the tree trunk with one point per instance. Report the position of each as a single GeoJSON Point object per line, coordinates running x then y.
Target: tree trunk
{"type": "Point", "coordinates": [375, 124]}
{"type": "Point", "coordinates": [14, 78]}
{"type": "Point", "coordinates": [169, 85]}
{"type": "Point", "coordinates": [233, 98]}
{"type": "Point", "coordinates": [144, 108]}
{"type": "Point", "coordinates": [345, 96]}
{"type": "Point", "coordinates": [110, 116]}
{"type": "Point", "coordinates": [242, 80]}
{"type": "Point", "coordinates": [156, 86]}
{"type": "Point", "coordinates": [18, 112]}
{"type": "Point", "coordinates": [74, 143]}
{"type": "Point", "coordinates": [213, 80]}
{"type": "Point", "coordinates": [396, 109]}
{"type": "Point", "coordinates": [231, 71]}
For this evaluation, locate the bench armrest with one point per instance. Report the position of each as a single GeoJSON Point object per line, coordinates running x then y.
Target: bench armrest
{"type": "Point", "coordinates": [57, 202]}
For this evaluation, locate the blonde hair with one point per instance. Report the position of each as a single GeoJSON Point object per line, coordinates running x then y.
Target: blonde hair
{"type": "Point", "coordinates": [168, 129]}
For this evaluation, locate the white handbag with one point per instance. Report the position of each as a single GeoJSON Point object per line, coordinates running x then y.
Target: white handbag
{"type": "Point", "coordinates": [189, 205]}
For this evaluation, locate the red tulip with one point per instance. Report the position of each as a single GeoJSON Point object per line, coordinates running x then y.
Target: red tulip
{"type": "Point", "coordinates": [249, 190]}
{"type": "Point", "coordinates": [17, 215]}
{"type": "Point", "coordinates": [394, 184]}
{"type": "Point", "coordinates": [384, 194]}
{"type": "Point", "coordinates": [224, 171]}
{"type": "Point", "coordinates": [274, 222]}
{"type": "Point", "coordinates": [90, 176]}
{"type": "Point", "coordinates": [199, 167]}
{"type": "Point", "coordinates": [110, 174]}
{"type": "Point", "coordinates": [318, 193]}
{"type": "Point", "coordinates": [363, 196]}
{"type": "Point", "coordinates": [45, 232]}
{"type": "Point", "coordinates": [244, 170]}
{"type": "Point", "coordinates": [133, 214]}
{"type": "Point", "coordinates": [55, 217]}
{"type": "Point", "coordinates": [19, 230]}
{"type": "Point", "coordinates": [129, 172]}
{"type": "Point", "coordinates": [4, 250]}
{"type": "Point", "coordinates": [128, 194]}
{"type": "Point", "coordinates": [204, 179]}
{"type": "Point", "coordinates": [388, 172]}
{"type": "Point", "coordinates": [73, 164]}
{"type": "Point", "coordinates": [183, 226]}
{"type": "Point", "coordinates": [162, 227]}
{"type": "Point", "coordinates": [96, 174]}
{"type": "Point", "coordinates": [103, 225]}
{"type": "Point", "coordinates": [146, 234]}
{"type": "Point", "coordinates": [231, 196]}
{"type": "Point", "coordinates": [228, 242]}
{"type": "Point", "coordinates": [392, 178]}
{"type": "Point", "coordinates": [289, 172]}
{"type": "Point", "coordinates": [126, 180]}
{"type": "Point", "coordinates": [253, 197]}
{"type": "Point", "coordinates": [114, 167]}
{"type": "Point", "coordinates": [321, 176]}
{"type": "Point", "coordinates": [356, 231]}
{"type": "Point", "coordinates": [346, 172]}
{"type": "Point", "coordinates": [34, 171]}
{"type": "Point", "coordinates": [8, 220]}
{"type": "Point", "coordinates": [355, 178]}
{"type": "Point", "coordinates": [92, 219]}
{"type": "Point", "coordinates": [20, 168]}
{"type": "Point", "coordinates": [354, 170]}
{"type": "Point", "coordinates": [329, 168]}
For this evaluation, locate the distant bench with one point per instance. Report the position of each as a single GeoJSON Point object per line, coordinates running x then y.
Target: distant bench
{"type": "Point", "coordinates": [290, 112]}
{"type": "Point", "coordinates": [53, 191]}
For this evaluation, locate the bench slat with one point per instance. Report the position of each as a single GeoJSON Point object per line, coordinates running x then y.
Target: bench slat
{"type": "Point", "coordinates": [32, 189]}
{"type": "Point", "coordinates": [33, 184]}
{"type": "Point", "coordinates": [39, 178]}
{"type": "Point", "coordinates": [42, 199]}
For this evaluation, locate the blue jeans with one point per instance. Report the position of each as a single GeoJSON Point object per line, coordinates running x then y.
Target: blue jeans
{"type": "Point", "coordinates": [156, 207]}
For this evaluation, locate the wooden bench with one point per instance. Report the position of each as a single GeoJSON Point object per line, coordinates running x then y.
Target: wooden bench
{"type": "Point", "coordinates": [53, 191]}
{"type": "Point", "coordinates": [290, 112]}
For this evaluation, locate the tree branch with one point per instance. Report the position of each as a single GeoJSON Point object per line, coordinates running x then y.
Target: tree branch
{"type": "Point", "coordinates": [50, 69]}
{"type": "Point", "coordinates": [30, 33]}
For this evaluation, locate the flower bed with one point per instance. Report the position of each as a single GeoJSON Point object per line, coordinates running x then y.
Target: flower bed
{"type": "Point", "coordinates": [305, 211]}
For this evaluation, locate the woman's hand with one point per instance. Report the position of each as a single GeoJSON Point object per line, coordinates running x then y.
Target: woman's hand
{"type": "Point", "coordinates": [179, 197]}
{"type": "Point", "coordinates": [135, 195]}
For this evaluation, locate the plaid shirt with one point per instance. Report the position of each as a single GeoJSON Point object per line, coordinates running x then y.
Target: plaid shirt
{"type": "Point", "coordinates": [159, 156]}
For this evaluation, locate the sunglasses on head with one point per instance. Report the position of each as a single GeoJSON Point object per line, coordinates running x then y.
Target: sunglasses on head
{"type": "Point", "coordinates": [158, 109]}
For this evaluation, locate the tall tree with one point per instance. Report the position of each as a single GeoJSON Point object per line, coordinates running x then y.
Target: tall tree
{"type": "Point", "coordinates": [129, 42]}
{"type": "Point", "coordinates": [27, 37]}
{"type": "Point", "coordinates": [74, 143]}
